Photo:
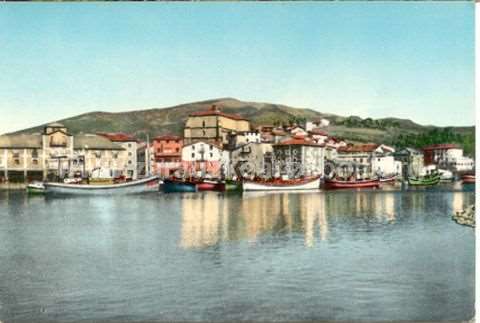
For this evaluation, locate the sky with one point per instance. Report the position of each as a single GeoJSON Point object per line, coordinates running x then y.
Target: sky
{"type": "Point", "coordinates": [371, 59]}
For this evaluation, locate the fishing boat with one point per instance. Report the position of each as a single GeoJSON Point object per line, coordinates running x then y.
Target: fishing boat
{"type": "Point", "coordinates": [427, 180]}
{"type": "Point", "coordinates": [178, 186]}
{"type": "Point", "coordinates": [446, 175]}
{"type": "Point", "coordinates": [36, 188]}
{"type": "Point", "coordinates": [307, 183]}
{"type": "Point", "coordinates": [468, 179]}
{"type": "Point", "coordinates": [208, 185]}
{"type": "Point", "coordinates": [353, 183]}
{"type": "Point", "coordinates": [233, 186]}
{"type": "Point", "coordinates": [149, 184]}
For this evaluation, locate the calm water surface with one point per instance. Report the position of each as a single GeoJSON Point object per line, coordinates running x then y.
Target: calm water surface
{"type": "Point", "coordinates": [369, 255]}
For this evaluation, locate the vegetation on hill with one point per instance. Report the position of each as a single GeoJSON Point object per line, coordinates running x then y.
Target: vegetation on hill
{"type": "Point", "coordinates": [153, 122]}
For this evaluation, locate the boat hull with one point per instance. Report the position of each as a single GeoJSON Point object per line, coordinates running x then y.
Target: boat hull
{"type": "Point", "coordinates": [266, 186]}
{"type": "Point", "coordinates": [170, 186]}
{"type": "Point", "coordinates": [134, 187]}
{"type": "Point", "coordinates": [206, 186]}
{"type": "Point", "coordinates": [232, 186]}
{"type": "Point", "coordinates": [468, 179]}
{"type": "Point", "coordinates": [336, 184]}
{"type": "Point", "coordinates": [424, 181]}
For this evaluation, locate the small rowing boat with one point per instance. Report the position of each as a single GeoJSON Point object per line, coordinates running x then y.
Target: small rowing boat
{"type": "Point", "coordinates": [356, 183]}
{"type": "Point", "coordinates": [428, 180]}
{"type": "Point", "coordinates": [178, 186]}
{"type": "Point", "coordinates": [233, 186]}
{"type": "Point", "coordinates": [36, 188]}
{"type": "Point", "coordinates": [149, 184]}
{"type": "Point", "coordinates": [307, 183]}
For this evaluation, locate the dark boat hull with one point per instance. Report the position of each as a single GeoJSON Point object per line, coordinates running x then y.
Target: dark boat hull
{"type": "Point", "coordinates": [170, 186]}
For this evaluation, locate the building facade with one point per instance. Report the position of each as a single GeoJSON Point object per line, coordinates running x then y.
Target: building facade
{"type": "Point", "coordinates": [130, 144]}
{"type": "Point", "coordinates": [298, 157]}
{"type": "Point", "coordinates": [213, 126]}
{"type": "Point", "coordinates": [55, 153]}
{"type": "Point", "coordinates": [167, 152]}
{"type": "Point", "coordinates": [251, 160]}
{"type": "Point", "coordinates": [447, 156]}
{"type": "Point", "coordinates": [204, 159]}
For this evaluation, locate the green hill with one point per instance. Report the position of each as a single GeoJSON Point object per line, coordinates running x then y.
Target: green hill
{"type": "Point", "coordinates": [393, 131]}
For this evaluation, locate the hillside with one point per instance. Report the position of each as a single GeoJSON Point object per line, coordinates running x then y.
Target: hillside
{"type": "Point", "coordinates": [171, 120]}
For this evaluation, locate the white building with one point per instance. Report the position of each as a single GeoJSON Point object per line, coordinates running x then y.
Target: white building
{"type": "Point", "coordinates": [130, 144]}
{"type": "Point", "coordinates": [298, 157]}
{"type": "Point", "coordinates": [309, 125]}
{"type": "Point", "coordinates": [204, 159]}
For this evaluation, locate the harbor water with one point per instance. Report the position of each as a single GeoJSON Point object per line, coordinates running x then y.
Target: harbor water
{"type": "Point", "coordinates": [342, 255]}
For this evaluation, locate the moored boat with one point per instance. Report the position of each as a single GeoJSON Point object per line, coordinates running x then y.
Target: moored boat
{"type": "Point", "coordinates": [149, 184]}
{"type": "Point", "coordinates": [36, 188]}
{"type": "Point", "coordinates": [356, 183]}
{"type": "Point", "coordinates": [178, 186]}
{"type": "Point", "coordinates": [388, 179]}
{"type": "Point", "coordinates": [427, 180]}
{"type": "Point", "coordinates": [468, 179]}
{"type": "Point", "coordinates": [207, 185]}
{"type": "Point", "coordinates": [307, 183]}
{"type": "Point", "coordinates": [446, 175]}
{"type": "Point", "coordinates": [233, 186]}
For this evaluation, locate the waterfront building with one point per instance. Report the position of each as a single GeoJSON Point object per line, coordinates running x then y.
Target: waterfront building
{"type": "Point", "coordinates": [369, 158]}
{"type": "Point", "coordinates": [251, 160]}
{"type": "Point", "coordinates": [412, 161]}
{"type": "Point", "coordinates": [447, 156]}
{"type": "Point", "coordinates": [204, 159]}
{"type": "Point", "coordinates": [57, 153]}
{"type": "Point", "coordinates": [130, 144]}
{"type": "Point", "coordinates": [298, 156]}
{"type": "Point", "coordinates": [213, 126]}
{"type": "Point", "coordinates": [167, 154]}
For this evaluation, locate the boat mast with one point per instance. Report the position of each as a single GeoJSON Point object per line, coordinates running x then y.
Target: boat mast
{"type": "Point", "coordinates": [147, 157]}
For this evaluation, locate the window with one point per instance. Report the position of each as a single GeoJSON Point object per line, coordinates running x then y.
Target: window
{"type": "Point", "coordinates": [211, 154]}
{"type": "Point", "coordinates": [35, 162]}
{"type": "Point", "coordinates": [129, 153]}
{"type": "Point", "coordinates": [129, 145]}
{"type": "Point", "coordinates": [204, 133]}
{"type": "Point", "coordinates": [168, 141]}
{"type": "Point", "coordinates": [115, 155]}
{"type": "Point", "coordinates": [16, 162]}
{"type": "Point", "coordinates": [203, 124]}
{"type": "Point", "coordinates": [211, 147]}
{"type": "Point", "coordinates": [159, 151]}
{"type": "Point", "coordinates": [16, 154]}
{"type": "Point", "coordinates": [193, 155]}
{"type": "Point", "coordinates": [177, 149]}
{"type": "Point", "coordinates": [129, 162]}
{"type": "Point", "coordinates": [35, 153]}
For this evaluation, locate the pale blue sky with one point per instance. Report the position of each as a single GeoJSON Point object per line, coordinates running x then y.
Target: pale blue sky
{"type": "Point", "coordinates": [402, 59]}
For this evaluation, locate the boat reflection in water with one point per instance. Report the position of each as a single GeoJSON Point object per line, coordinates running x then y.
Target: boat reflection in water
{"type": "Point", "coordinates": [209, 218]}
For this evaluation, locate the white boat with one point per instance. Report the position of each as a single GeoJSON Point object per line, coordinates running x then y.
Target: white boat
{"type": "Point", "coordinates": [282, 185]}
{"type": "Point", "coordinates": [144, 185]}
{"type": "Point", "coordinates": [36, 188]}
{"type": "Point", "coordinates": [446, 175]}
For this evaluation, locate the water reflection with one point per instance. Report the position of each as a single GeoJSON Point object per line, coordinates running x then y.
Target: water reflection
{"type": "Point", "coordinates": [209, 218]}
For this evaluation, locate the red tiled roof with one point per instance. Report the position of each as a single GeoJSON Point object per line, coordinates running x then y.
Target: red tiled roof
{"type": "Point", "coordinates": [318, 131]}
{"type": "Point", "coordinates": [441, 146]}
{"type": "Point", "coordinates": [278, 132]}
{"type": "Point", "coordinates": [365, 148]}
{"type": "Point", "coordinates": [117, 137]}
{"type": "Point", "coordinates": [214, 111]}
{"type": "Point", "coordinates": [298, 141]}
{"type": "Point", "coordinates": [167, 137]}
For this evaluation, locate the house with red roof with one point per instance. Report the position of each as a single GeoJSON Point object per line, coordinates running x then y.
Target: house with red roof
{"type": "Point", "coordinates": [447, 156]}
